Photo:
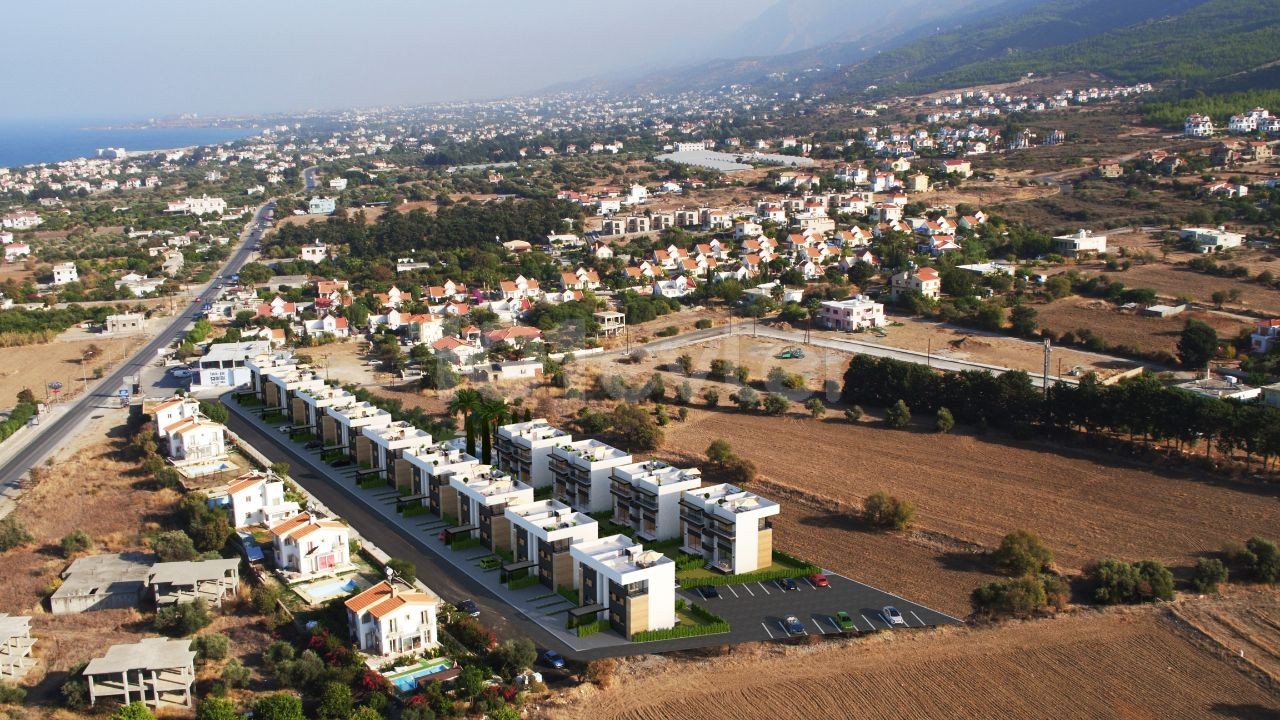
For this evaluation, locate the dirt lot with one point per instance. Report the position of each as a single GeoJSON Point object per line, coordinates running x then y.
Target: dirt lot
{"type": "Point", "coordinates": [1122, 664]}
{"type": "Point", "coordinates": [1245, 620]}
{"type": "Point", "coordinates": [969, 491]}
{"type": "Point", "coordinates": [1174, 280]}
{"type": "Point", "coordinates": [35, 366]}
{"type": "Point", "coordinates": [1148, 334]}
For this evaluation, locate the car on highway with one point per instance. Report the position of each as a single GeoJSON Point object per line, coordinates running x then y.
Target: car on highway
{"type": "Point", "coordinates": [845, 621]}
{"type": "Point", "coordinates": [819, 580]}
{"type": "Point", "coordinates": [892, 617]}
{"type": "Point", "coordinates": [469, 607]}
{"type": "Point", "coordinates": [793, 626]}
{"type": "Point", "coordinates": [788, 584]}
{"type": "Point", "coordinates": [708, 592]}
{"type": "Point", "coordinates": [552, 659]}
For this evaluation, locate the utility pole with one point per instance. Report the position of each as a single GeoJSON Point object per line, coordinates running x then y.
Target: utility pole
{"type": "Point", "coordinates": [928, 353]}
{"type": "Point", "coordinates": [1048, 350]}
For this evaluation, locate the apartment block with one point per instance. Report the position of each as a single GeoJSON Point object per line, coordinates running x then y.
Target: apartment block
{"type": "Point", "coordinates": [263, 365]}
{"type": "Point", "coordinates": [341, 427]}
{"type": "Point", "coordinates": [484, 493]}
{"type": "Point", "coordinates": [524, 450]}
{"type": "Point", "coordinates": [431, 469]}
{"type": "Point", "coordinates": [542, 531]}
{"type": "Point", "coordinates": [729, 527]}
{"type": "Point", "coordinates": [386, 448]}
{"type": "Point", "coordinates": [580, 473]}
{"type": "Point", "coordinates": [617, 579]}
{"type": "Point", "coordinates": [282, 387]}
{"type": "Point", "coordinates": [317, 403]}
{"type": "Point", "coordinates": [646, 497]}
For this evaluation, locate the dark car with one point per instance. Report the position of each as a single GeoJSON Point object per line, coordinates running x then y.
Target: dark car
{"type": "Point", "coordinates": [552, 659]}
{"type": "Point", "coordinates": [708, 591]}
{"type": "Point", "coordinates": [469, 607]}
{"type": "Point", "coordinates": [793, 625]}
{"type": "Point", "coordinates": [249, 547]}
{"type": "Point", "coordinates": [314, 445]}
{"type": "Point", "coordinates": [342, 462]}
{"type": "Point", "coordinates": [788, 584]}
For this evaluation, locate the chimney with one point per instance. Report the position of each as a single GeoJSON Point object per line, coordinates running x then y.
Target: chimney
{"type": "Point", "coordinates": [394, 590]}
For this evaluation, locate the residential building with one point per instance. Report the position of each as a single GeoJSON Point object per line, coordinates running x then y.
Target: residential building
{"type": "Point", "coordinates": [1265, 334]}
{"type": "Point", "coordinates": [341, 427]}
{"type": "Point", "coordinates": [524, 450]}
{"type": "Point", "coordinates": [431, 469]}
{"type": "Point", "coordinates": [542, 531]}
{"type": "Point", "coordinates": [64, 273]}
{"type": "Point", "coordinates": [1224, 387]}
{"type": "Point", "coordinates": [728, 526]}
{"type": "Point", "coordinates": [611, 323]}
{"type": "Point", "coordinates": [314, 252]}
{"type": "Point", "coordinates": [321, 206]}
{"type": "Point", "coordinates": [21, 220]}
{"type": "Point", "coordinates": [1212, 240]}
{"type": "Point", "coordinates": [852, 315]}
{"type": "Point", "coordinates": [306, 546]}
{"type": "Point", "coordinates": [392, 619]}
{"type": "Point", "coordinates": [384, 450]}
{"type": "Point", "coordinates": [125, 323]}
{"type": "Point", "coordinates": [646, 497]}
{"type": "Point", "coordinates": [316, 404]}
{"type": "Point", "coordinates": [581, 472]}
{"type": "Point", "coordinates": [282, 387]}
{"type": "Point", "coordinates": [1198, 126]}
{"type": "Point", "coordinates": [14, 251]}
{"type": "Point", "coordinates": [1080, 243]}
{"type": "Point", "coordinates": [226, 364]}
{"type": "Point", "coordinates": [632, 588]}
{"type": "Point", "coordinates": [257, 498]}
{"type": "Point", "coordinates": [925, 281]}
{"type": "Point", "coordinates": [484, 493]}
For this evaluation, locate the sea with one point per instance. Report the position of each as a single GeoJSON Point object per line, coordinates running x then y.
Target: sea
{"type": "Point", "coordinates": [31, 142]}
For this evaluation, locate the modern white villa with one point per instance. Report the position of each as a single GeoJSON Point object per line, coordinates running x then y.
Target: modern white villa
{"type": "Point", "coordinates": [542, 532]}
{"type": "Point", "coordinates": [646, 497]}
{"type": "Point", "coordinates": [621, 582]}
{"type": "Point", "coordinates": [581, 473]}
{"type": "Point", "coordinates": [729, 527]}
{"type": "Point", "coordinates": [524, 450]}
{"type": "Point", "coordinates": [484, 493]}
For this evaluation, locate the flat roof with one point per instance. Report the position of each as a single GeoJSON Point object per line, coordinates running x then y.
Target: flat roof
{"type": "Point", "coordinates": [592, 450]}
{"type": "Point", "coordinates": [96, 574]}
{"type": "Point", "coordinates": [192, 572]}
{"type": "Point", "coordinates": [233, 351]}
{"type": "Point", "coordinates": [150, 654]}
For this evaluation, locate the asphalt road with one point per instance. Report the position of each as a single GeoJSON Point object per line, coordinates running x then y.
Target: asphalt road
{"type": "Point", "coordinates": [12, 472]}
{"type": "Point", "coordinates": [309, 178]}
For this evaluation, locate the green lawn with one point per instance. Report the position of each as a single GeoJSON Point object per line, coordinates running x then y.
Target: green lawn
{"type": "Point", "coordinates": [782, 567]}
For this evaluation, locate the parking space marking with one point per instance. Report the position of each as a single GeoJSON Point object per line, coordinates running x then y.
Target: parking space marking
{"type": "Point", "coordinates": [917, 617]}
{"type": "Point", "coordinates": [815, 587]}
{"type": "Point", "coordinates": [819, 626]}
{"type": "Point", "coordinates": [766, 629]}
{"type": "Point", "coordinates": [864, 617]}
{"type": "Point", "coordinates": [730, 589]}
{"type": "Point", "coordinates": [744, 587]}
{"type": "Point", "coordinates": [765, 589]}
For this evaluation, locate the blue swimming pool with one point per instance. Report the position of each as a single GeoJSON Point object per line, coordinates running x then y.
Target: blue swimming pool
{"type": "Point", "coordinates": [407, 681]}
{"type": "Point", "coordinates": [330, 589]}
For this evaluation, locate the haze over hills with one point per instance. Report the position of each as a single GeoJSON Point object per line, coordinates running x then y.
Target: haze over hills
{"type": "Point", "coordinates": [1189, 42]}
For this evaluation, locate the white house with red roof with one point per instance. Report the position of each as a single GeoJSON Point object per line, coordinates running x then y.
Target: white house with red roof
{"type": "Point", "coordinates": [515, 335]}
{"type": "Point", "coordinates": [308, 546]}
{"type": "Point", "coordinates": [328, 325]}
{"type": "Point", "coordinates": [925, 281]}
{"type": "Point", "coordinates": [14, 251]}
{"type": "Point", "coordinates": [277, 308]}
{"type": "Point", "coordinates": [257, 498]}
{"type": "Point", "coordinates": [393, 618]}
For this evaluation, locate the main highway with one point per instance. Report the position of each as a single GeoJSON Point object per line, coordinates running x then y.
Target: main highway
{"type": "Point", "coordinates": [60, 428]}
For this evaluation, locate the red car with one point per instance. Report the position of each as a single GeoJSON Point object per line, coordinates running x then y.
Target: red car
{"type": "Point", "coordinates": [819, 580]}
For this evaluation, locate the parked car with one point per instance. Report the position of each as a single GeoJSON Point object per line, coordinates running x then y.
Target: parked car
{"type": "Point", "coordinates": [845, 621]}
{"type": "Point", "coordinates": [708, 591]}
{"type": "Point", "coordinates": [552, 659]}
{"type": "Point", "coordinates": [340, 462]}
{"type": "Point", "coordinates": [793, 625]}
{"type": "Point", "coordinates": [180, 372]}
{"type": "Point", "coordinates": [249, 547]}
{"type": "Point", "coordinates": [892, 616]}
{"type": "Point", "coordinates": [788, 584]}
{"type": "Point", "coordinates": [314, 445]}
{"type": "Point", "coordinates": [469, 607]}
{"type": "Point", "coordinates": [819, 580]}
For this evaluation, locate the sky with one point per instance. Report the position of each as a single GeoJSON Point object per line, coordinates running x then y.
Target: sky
{"type": "Point", "coordinates": [134, 59]}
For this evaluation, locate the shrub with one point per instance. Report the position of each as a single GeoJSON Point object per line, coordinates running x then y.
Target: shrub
{"type": "Point", "coordinates": [684, 393]}
{"type": "Point", "coordinates": [720, 452]}
{"type": "Point", "coordinates": [742, 373]}
{"type": "Point", "coordinates": [213, 708]}
{"type": "Point", "coordinates": [815, 407]}
{"type": "Point", "coordinates": [853, 414]}
{"type": "Point", "coordinates": [265, 599]}
{"type": "Point", "coordinates": [637, 427]}
{"type": "Point", "coordinates": [235, 674]}
{"type": "Point", "coordinates": [668, 331]}
{"type": "Point", "coordinates": [13, 533]}
{"type": "Point", "coordinates": [512, 656]}
{"type": "Point", "coordinates": [711, 396]}
{"type": "Point", "coordinates": [280, 706]}
{"type": "Point", "coordinates": [183, 620]}
{"type": "Point", "coordinates": [1262, 560]}
{"type": "Point", "coordinates": [685, 362]}
{"type": "Point", "coordinates": [1208, 574]}
{"type": "Point", "coordinates": [211, 646]}
{"type": "Point", "coordinates": [173, 546]}
{"type": "Point", "coordinates": [404, 569]}
{"type": "Point", "coordinates": [945, 421]}
{"type": "Point", "coordinates": [601, 672]}
{"type": "Point", "coordinates": [898, 415]}
{"type": "Point", "coordinates": [136, 710]}
{"type": "Point", "coordinates": [76, 541]}
{"type": "Point", "coordinates": [682, 414]}
{"type": "Point", "coordinates": [746, 398]}
{"type": "Point", "coordinates": [335, 702]}
{"type": "Point", "coordinates": [1118, 582]}
{"type": "Point", "coordinates": [739, 471]}
{"type": "Point", "coordinates": [703, 324]}
{"type": "Point", "coordinates": [75, 689]}
{"type": "Point", "coordinates": [11, 694]}
{"type": "Point", "coordinates": [720, 369]}
{"type": "Point", "coordinates": [1018, 598]}
{"type": "Point", "coordinates": [655, 389]}
{"type": "Point", "coordinates": [1022, 552]}
{"type": "Point", "coordinates": [776, 404]}
{"type": "Point", "coordinates": [882, 510]}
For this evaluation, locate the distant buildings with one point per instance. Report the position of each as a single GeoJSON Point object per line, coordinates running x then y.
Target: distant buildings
{"type": "Point", "coordinates": [1212, 240]}
{"type": "Point", "coordinates": [1198, 126]}
{"type": "Point", "coordinates": [1080, 243]}
{"type": "Point", "coordinates": [64, 273]}
{"type": "Point", "coordinates": [857, 313]}
{"type": "Point", "coordinates": [321, 206]}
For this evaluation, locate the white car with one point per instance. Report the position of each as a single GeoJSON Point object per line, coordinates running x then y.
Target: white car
{"type": "Point", "coordinates": [181, 372]}
{"type": "Point", "coordinates": [891, 616]}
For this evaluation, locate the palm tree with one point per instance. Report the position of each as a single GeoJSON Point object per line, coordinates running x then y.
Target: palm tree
{"type": "Point", "coordinates": [466, 402]}
{"type": "Point", "coordinates": [492, 413]}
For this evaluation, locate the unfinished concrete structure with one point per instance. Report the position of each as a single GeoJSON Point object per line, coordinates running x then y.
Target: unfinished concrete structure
{"type": "Point", "coordinates": [178, 583]}
{"type": "Point", "coordinates": [15, 647]}
{"type": "Point", "coordinates": [157, 671]}
{"type": "Point", "coordinates": [100, 582]}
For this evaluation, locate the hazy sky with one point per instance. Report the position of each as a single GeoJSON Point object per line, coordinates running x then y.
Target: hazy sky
{"type": "Point", "coordinates": [142, 58]}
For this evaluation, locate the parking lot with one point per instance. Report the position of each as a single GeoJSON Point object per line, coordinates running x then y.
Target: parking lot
{"type": "Point", "coordinates": [757, 610]}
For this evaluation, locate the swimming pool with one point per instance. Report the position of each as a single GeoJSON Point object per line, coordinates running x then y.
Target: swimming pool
{"type": "Point", "coordinates": [329, 589]}
{"type": "Point", "coordinates": [408, 680]}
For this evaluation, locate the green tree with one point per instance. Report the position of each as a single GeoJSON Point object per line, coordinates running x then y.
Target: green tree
{"type": "Point", "coordinates": [685, 362]}
{"type": "Point", "coordinates": [135, 710]}
{"type": "Point", "coordinates": [1198, 344]}
{"type": "Point", "coordinates": [183, 620]}
{"type": "Point", "coordinates": [335, 702]}
{"type": "Point", "coordinates": [637, 427]}
{"type": "Point", "coordinates": [466, 402]}
{"type": "Point", "coordinates": [13, 533]}
{"type": "Point", "coordinates": [513, 656]}
{"type": "Point", "coordinates": [1022, 552]}
{"type": "Point", "coordinates": [211, 646]}
{"type": "Point", "coordinates": [235, 674]}
{"type": "Point", "coordinates": [1023, 320]}
{"type": "Point", "coordinates": [1263, 560]}
{"type": "Point", "coordinates": [776, 404]}
{"type": "Point", "coordinates": [898, 415]}
{"type": "Point", "coordinates": [816, 407]}
{"type": "Point", "coordinates": [215, 708]}
{"type": "Point", "coordinates": [944, 420]}
{"type": "Point", "coordinates": [883, 510]}
{"type": "Point", "coordinates": [746, 398]}
{"type": "Point", "coordinates": [720, 452]}
{"type": "Point", "coordinates": [76, 541]}
{"type": "Point", "coordinates": [1208, 574]}
{"type": "Point", "coordinates": [174, 545]}
{"type": "Point", "coordinates": [853, 414]}
{"type": "Point", "coordinates": [711, 396]}
{"type": "Point", "coordinates": [280, 706]}
{"type": "Point", "coordinates": [404, 569]}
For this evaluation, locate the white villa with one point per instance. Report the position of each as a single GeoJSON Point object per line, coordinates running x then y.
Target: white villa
{"type": "Point", "coordinates": [390, 619]}
{"type": "Point", "coordinates": [524, 450]}
{"type": "Point", "coordinates": [633, 588]}
{"type": "Point", "coordinates": [580, 473]}
{"type": "Point", "coordinates": [542, 531]}
{"type": "Point", "coordinates": [307, 546]}
{"type": "Point", "coordinates": [646, 497]}
{"type": "Point", "coordinates": [729, 527]}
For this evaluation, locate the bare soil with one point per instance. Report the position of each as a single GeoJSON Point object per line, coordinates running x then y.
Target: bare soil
{"type": "Point", "coordinates": [1132, 664]}
{"type": "Point", "coordinates": [1121, 327]}
{"type": "Point", "coordinates": [35, 366]}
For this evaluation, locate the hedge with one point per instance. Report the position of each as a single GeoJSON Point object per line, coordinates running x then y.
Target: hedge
{"type": "Point", "coordinates": [801, 569]}
{"type": "Point", "coordinates": [21, 413]}
{"type": "Point", "coordinates": [523, 582]}
{"type": "Point", "coordinates": [592, 628]}
{"type": "Point", "coordinates": [680, 631]}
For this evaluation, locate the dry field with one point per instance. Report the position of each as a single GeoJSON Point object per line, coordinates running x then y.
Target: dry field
{"type": "Point", "coordinates": [1132, 664]}
{"type": "Point", "coordinates": [1245, 621]}
{"type": "Point", "coordinates": [34, 366]}
{"type": "Point", "coordinates": [969, 491]}
{"type": "Point", "coordinates": [1128, 328]}
{"type": "Point", "coordinates": [1173, 280]}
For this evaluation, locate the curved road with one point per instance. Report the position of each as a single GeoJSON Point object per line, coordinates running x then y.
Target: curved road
{"type": "Point", "coordinates": [57, 431]}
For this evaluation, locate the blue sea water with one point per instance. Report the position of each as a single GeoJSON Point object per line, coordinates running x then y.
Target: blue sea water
{"type": "Point", "coordinates": [28, 142]}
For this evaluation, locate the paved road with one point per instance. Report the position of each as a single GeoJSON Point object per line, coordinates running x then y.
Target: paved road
{"type": "Point", "coordinates": [309, 178]}
{"type": "Point", "coordinates": [53, 435]}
